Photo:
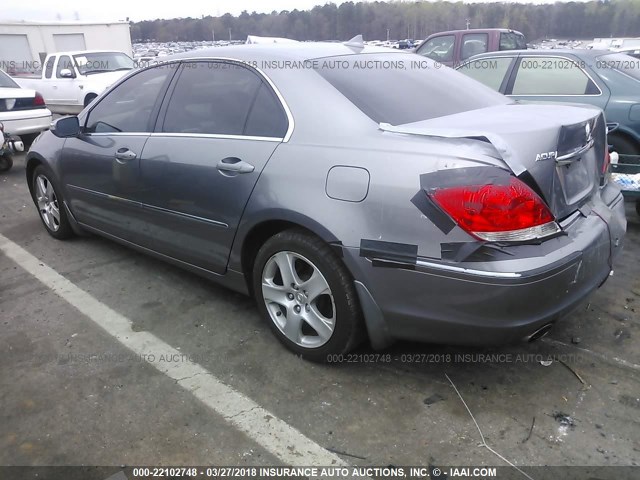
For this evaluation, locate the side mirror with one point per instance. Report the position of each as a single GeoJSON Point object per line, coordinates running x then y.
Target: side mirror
{"type": "Point", "coordinates": [65, 127]}
{"type": "Point", "coordinates": [67, 73]}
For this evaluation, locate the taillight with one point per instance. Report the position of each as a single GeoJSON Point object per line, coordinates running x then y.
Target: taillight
{"type": "Point", "coordinates": [509, 211]}
{"type": "Point", "coordinates": [38, 100]}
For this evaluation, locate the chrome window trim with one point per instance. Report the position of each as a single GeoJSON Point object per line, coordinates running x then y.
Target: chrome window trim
{"type": "Point", "coordinates": [283, 102]}
{"type": "Point", "coordinates": [522, 57]}
{"type": "Point", "coordinates": [218, 136]}
{"type": "Point", "coordinates": [290, 119]}
{"type": "Point", "coordinates": [187, 135]}
{"type": "Point", "coordinates": [116, 134]}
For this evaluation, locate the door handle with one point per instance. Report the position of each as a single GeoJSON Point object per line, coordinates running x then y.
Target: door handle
{"type": "Point", "coordinates": [234, 165]}
{"type": "Point", "coordinates": [124, 155]}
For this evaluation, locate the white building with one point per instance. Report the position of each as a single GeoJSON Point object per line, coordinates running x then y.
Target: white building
{"type": "Point", "coordinates": [24, 45]}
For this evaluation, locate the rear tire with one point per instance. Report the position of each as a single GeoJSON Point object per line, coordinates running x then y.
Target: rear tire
{"type": "Point", "coordinates": [50, 204]}
{"type": "Point", "coordinates": [6, 162]}
{"type": "Point", "coordinates": [307, 295]}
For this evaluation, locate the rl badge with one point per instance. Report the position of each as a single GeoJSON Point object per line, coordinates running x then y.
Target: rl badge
{"type": "Point", "coordinates": [546, 156]}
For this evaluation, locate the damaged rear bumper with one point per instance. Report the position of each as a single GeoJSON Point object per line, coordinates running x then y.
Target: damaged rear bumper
{"type": "Point", "coordinates": [494, 302]}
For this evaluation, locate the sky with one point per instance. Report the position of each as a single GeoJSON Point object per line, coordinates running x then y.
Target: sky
{"type": "Point", "coordinates": [45, 10]}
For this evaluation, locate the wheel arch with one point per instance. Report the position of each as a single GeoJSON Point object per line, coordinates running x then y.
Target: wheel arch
{"type": "Point", "coordinates": [89, 97]}
{"type": "Point", "coordinates": [252, 235]}
{"type": "Point", "coordinates": [33, 161]}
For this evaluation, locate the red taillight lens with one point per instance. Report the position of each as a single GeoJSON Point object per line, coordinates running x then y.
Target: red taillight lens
{"type": "Point", "coordinates": [38, 100]}
{"type": "Point", "coordinates": [498, 212]}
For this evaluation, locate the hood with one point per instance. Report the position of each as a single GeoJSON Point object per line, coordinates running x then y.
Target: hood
{"type": "Point", "coordinates": [106, 78]}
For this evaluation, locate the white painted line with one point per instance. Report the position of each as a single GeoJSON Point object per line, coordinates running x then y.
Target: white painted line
{"type": "Point", "coordinates": [273, 434]}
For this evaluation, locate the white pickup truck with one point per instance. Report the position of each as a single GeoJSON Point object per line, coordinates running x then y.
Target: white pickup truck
{"type": "Point", "coordinates": [71, 80]}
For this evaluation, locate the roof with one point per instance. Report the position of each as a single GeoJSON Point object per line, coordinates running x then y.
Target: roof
{"type": "Point", "coordinates": [283, 51]}
{"type": "Point", "coordinates": [577, 52]}
{"type": "Point", "coordinates": [476, 30]}
{"type": "Point", "coordinates": [80, 52]}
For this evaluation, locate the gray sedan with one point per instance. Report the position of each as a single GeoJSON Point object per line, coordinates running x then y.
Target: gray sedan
{"type": "Point", "coordinates": [314, 178]}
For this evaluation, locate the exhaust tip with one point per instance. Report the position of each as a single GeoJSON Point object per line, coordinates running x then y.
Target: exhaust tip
{"type": "Point", "coordinates": [541, 332]}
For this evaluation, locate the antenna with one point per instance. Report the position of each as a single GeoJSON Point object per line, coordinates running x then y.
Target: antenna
{"type": "Point", "coordinates": [355, 42]}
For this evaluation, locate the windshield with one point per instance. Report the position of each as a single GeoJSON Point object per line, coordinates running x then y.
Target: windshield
{"type": "Point", "coordinates": [620, 62]}
{"type": "Point", "coordinates": [401, 88]}
{"type": "Point", "coordinates": [99, 62]}
{"type": "Point", "coordinates": [6, 81]}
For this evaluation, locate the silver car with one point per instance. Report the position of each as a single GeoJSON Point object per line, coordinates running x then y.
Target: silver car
{"type": "Point", "coordinates": [356, 193]}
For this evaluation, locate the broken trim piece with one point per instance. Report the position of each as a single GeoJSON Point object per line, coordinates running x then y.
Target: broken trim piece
{"type": "Point", "coordinates": [502, 147]}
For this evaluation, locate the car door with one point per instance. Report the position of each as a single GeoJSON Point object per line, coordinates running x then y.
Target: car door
{"type": "Point", "coordinates": [473, 44]}
{"type": "Point", "coordinates": [219, 125]}
{"type": "Point", "coordinates": [440, 48]}
{"type": "Point", "coordinates": [63, 89]}
{"type": "Point", "coordinates": [101, 166]}
{"type": "Point", "coordinates": [556, 78]}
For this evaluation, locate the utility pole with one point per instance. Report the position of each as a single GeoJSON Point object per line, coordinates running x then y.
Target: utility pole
{"type": "Point", "coordinates": [387, 34]}
{"type": "Point", "coordinates": [468, 24]}
{"type": "Point", "coordinates": [229, 34]}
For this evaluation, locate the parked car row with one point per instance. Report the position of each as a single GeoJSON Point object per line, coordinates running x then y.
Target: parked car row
{"type": "Point", "coordinates": [610, 81]}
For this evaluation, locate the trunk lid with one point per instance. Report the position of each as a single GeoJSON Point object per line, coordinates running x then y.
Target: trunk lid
{"type": "Point", "coordinates": [16, 99]}
{"type": "Point", "coordinates": [557, 149]}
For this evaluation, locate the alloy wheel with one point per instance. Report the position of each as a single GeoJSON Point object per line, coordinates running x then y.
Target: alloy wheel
{"type": "Point", "coordinates": [47, 203]}
{"type": "Point", "coordinates": [298, 299]}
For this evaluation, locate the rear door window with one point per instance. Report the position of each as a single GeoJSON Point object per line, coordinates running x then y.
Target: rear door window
{"type": "Point", "coordinates": [223, 98]}
{"type": "Point", "coordinates": [552, 76]}
{"type": "Point", "coordinates": [490, 71]}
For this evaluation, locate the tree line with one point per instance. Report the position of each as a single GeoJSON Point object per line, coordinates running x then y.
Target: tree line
{"type": "Point", "coordinates": [405, 19]}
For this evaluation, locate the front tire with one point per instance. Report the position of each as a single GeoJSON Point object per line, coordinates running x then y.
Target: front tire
{"type": "Point", "coordinates": [89, 98]}
{"type": "Point", "coordinates": [46, 195]}
{"type": "Point", "coordinates": [307, 296]}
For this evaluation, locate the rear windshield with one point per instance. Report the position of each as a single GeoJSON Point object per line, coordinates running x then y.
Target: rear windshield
{"type": "Point", "coordinates": [405, 88]}
{"type": "Point", "coordinates": [6, 81]}
{"type": "Point", "coordinates": [622, 63]}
